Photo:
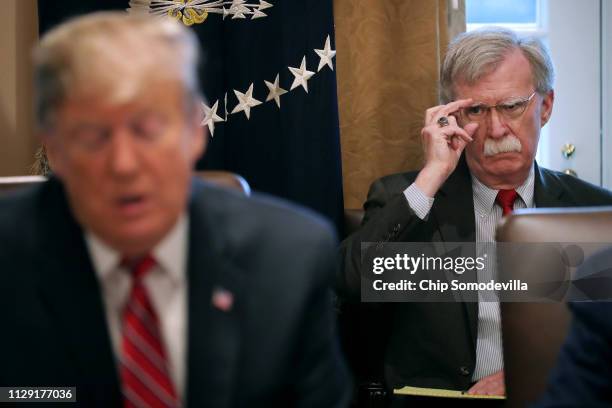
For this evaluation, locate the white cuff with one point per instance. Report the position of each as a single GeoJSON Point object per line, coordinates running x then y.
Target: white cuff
{"type": "Point", "coordinates": [418, 201]}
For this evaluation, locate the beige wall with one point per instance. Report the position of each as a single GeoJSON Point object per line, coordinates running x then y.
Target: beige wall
{"type": "Point", "coordinates": [18, 32]}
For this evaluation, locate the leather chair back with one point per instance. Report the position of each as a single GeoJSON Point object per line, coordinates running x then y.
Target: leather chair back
{"type": "Point", "coordinates": [225, 179]}
{"type": "Point", "coordinates": [14, 183]}
{"type": "Point", "coordinates": [218, 177]}
{"type": "Point", "coordinates": [352, 220]}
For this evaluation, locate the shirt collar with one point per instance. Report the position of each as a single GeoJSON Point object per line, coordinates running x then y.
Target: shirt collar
{"type": "Point", "coordinates": [484, 197]}
{"type": "Point", "coordinates": [170, 253]}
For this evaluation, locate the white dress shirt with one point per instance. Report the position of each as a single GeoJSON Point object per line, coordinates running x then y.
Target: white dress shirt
{"type": "Point", "coordinates": [166, 285]}
{"type": "Point", "coordinates": [489, 352]}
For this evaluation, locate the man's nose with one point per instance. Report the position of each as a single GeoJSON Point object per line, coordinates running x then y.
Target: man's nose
{"type": "Point", "coordinates": [123, 155]}
{"type": "Point", "coordinates": [497, 124]}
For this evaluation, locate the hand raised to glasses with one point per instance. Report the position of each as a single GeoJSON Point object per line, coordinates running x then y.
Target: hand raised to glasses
{"type": "Point", "coordinates": [442, 144]}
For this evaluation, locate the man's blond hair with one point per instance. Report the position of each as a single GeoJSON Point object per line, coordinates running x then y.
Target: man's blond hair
{"type": "Point", "coordinates": [112, 55]}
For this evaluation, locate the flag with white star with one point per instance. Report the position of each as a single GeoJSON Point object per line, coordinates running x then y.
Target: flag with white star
{"type": "Point", "coordinates": [269, 78]}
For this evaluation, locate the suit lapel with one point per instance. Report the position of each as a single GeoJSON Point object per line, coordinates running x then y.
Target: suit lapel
{"type": "Point", "coordinates": [216, 297]}
{"type": "Point", "coordinates": [453, 210]}
{"type": "Point", "coordinates": [547, 190]}
{"type": "Point", "coordinates": [71, 295]}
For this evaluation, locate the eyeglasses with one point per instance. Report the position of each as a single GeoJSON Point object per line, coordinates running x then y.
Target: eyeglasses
{"type": "Point", "coordinates": [509, 109]}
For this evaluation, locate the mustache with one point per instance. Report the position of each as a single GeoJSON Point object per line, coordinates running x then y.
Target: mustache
{"type": "Point", "coordinates": [507, 144]}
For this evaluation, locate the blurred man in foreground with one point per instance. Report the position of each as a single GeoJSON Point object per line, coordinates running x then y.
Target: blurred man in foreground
{"type": "Point", "coordinates": [125, 277]}
{"type": "Point", "coordinates": [480, 147]}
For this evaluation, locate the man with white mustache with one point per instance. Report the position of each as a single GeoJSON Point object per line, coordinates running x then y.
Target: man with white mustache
{"type": "Point", "coordinates": [480, 146]}
{"type": "Point", "coordinates": [508, 144]}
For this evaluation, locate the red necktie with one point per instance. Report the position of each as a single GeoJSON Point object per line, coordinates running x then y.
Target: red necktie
{"type": "Point", "coordinates": [505, 199]}
{"type": "Point", "coordinates": [144, 366]}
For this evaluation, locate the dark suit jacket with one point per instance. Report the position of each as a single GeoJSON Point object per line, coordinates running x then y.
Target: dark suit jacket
{"type": "Point", "coordinates": [432, 344]}
{"type": "Point", "coordinates": [583, 375]}
{"type": "Point", "coordinates": [275, 347]}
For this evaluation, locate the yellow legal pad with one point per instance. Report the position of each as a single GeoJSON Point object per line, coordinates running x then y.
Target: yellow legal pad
{"type": "Point", "coordinates": [437, 392]}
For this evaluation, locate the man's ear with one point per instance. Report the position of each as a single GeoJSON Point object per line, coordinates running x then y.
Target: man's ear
{"type": "Point", "coordinates": [199, 138]}
{"type": "Point", "coordinates": [547, 107]}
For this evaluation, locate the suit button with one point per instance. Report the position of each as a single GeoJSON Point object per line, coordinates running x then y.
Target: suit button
{"type": "Point", "coordinates": [464, 371]}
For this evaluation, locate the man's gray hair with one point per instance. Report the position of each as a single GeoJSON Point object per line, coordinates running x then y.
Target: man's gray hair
{"type": "Point", "coordinates": [475, 54]}
{"type": "Point", "coordinates": [112, 55]}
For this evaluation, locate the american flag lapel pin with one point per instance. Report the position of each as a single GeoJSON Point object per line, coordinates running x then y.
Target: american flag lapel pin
{"type": "Point", "coordinates": [222, 299]}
